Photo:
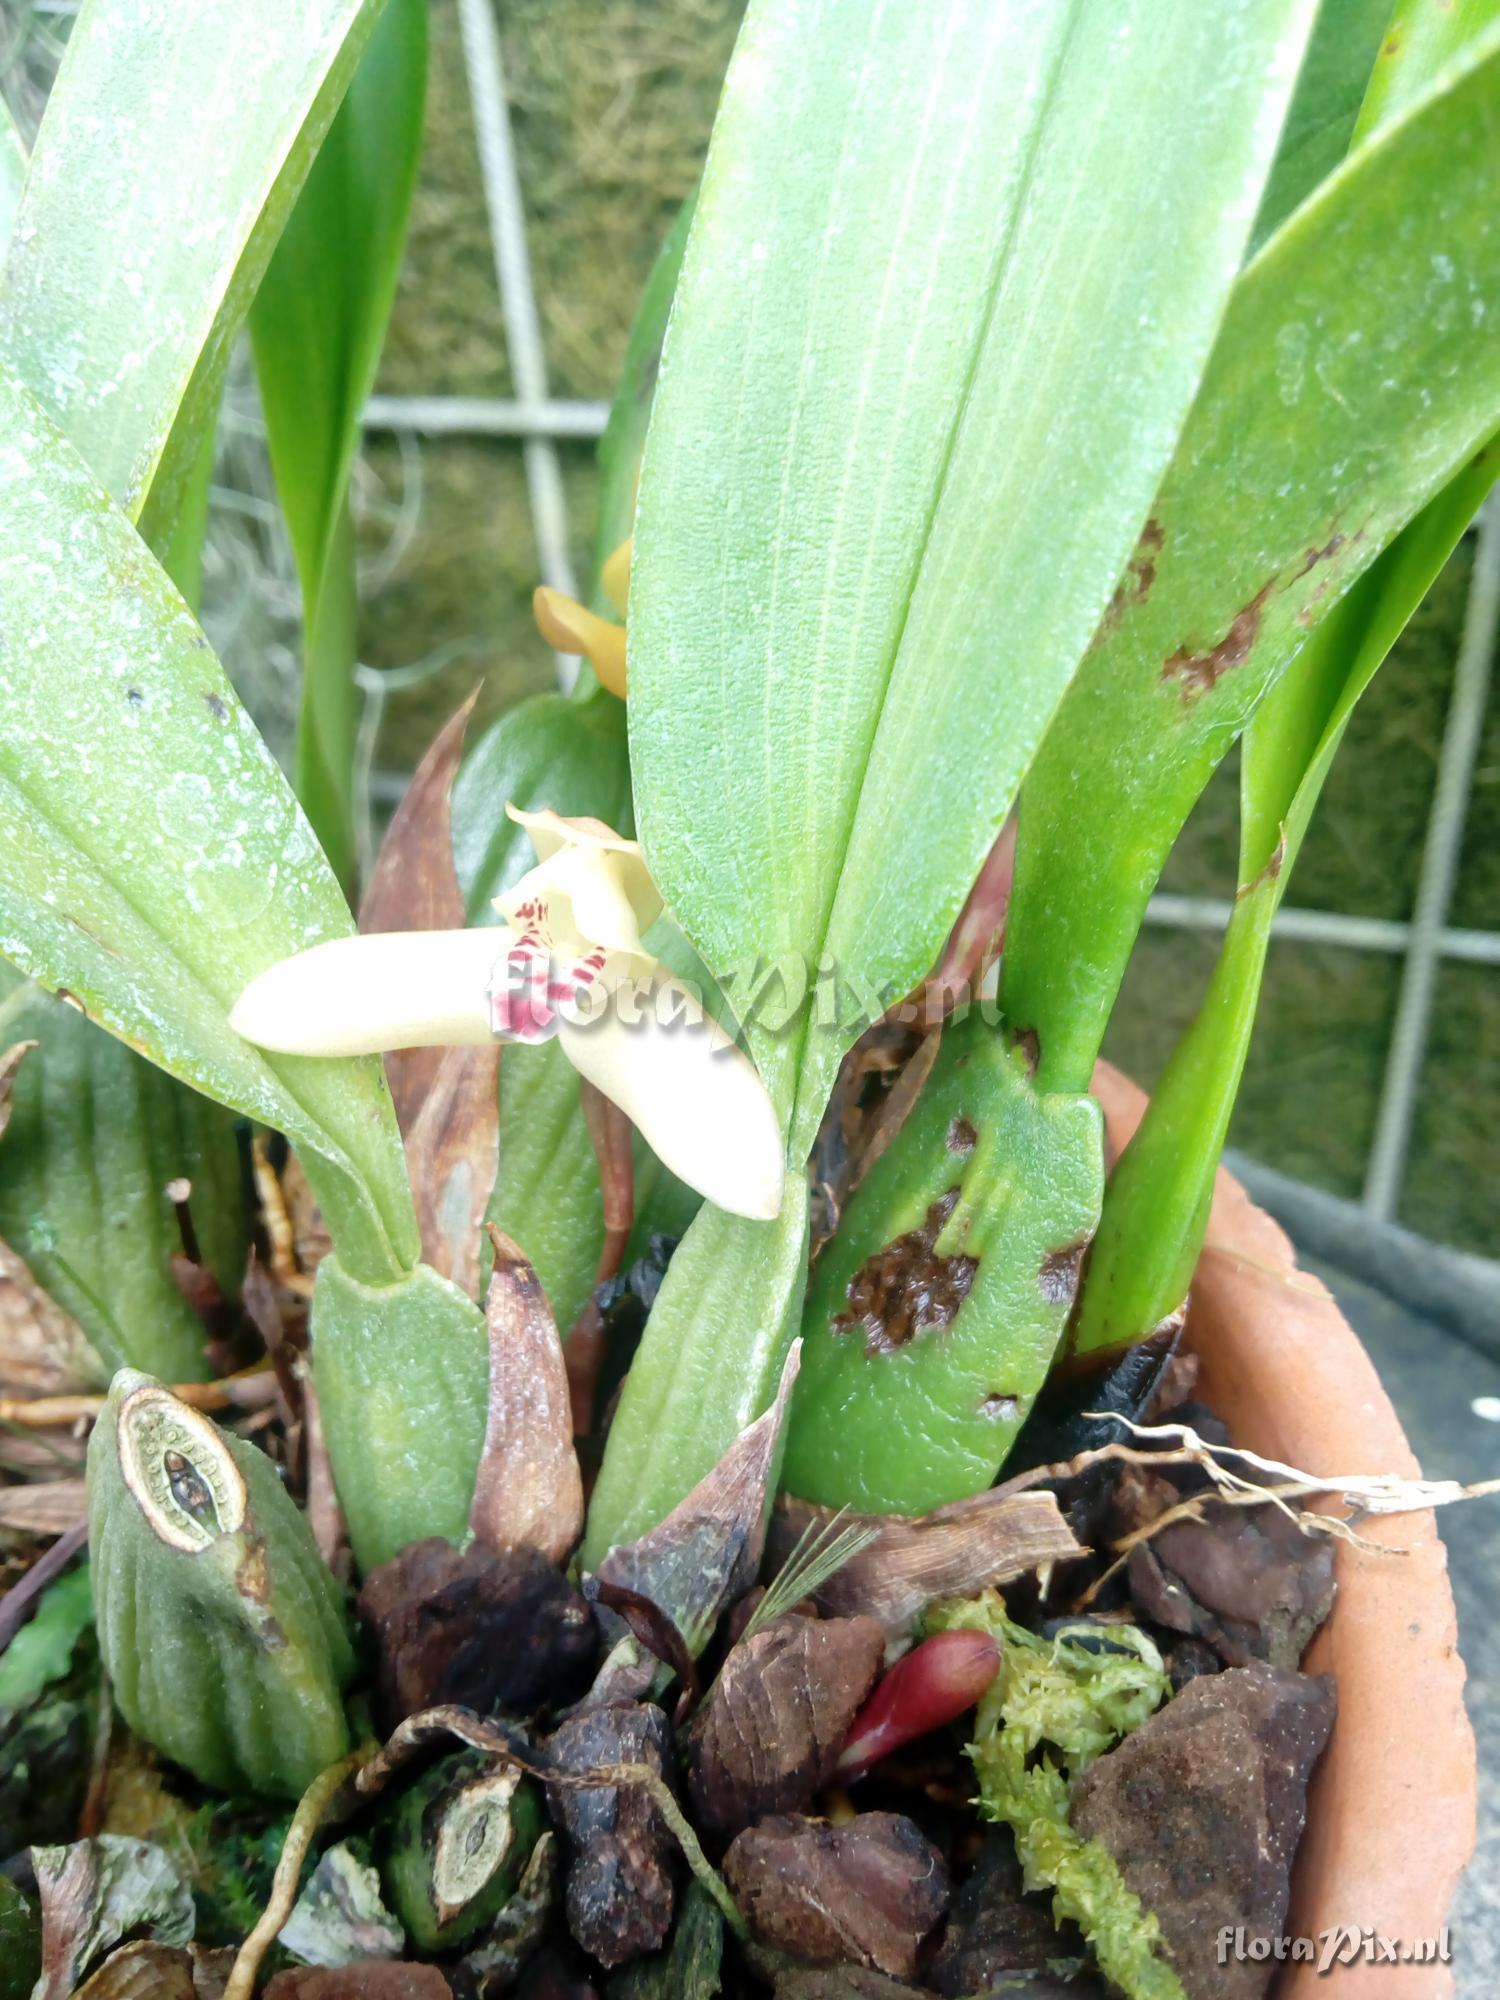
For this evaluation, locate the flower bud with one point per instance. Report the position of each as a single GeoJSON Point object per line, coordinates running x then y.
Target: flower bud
{"type": "Point", "coordinates": [224, 1634]}
{"type": "Point", "coordinates": [932, 1686]}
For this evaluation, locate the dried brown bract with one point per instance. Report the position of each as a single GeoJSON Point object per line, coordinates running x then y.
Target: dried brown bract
{"type": "Point", "coordinates": [413, 887]}
{"type": "Point", "coordinates": [768, 1738]}
{"type": "Point", "coordinates": [912, 1560]}
{"type": "Point", "coordinates": [868, 1892]}
{"type": "Point", "coordinates": [529, 1491]}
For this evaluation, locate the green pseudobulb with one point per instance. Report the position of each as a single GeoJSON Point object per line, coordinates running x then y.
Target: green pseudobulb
{"type": "Point", "coordinates": [224, 1633]}
{"type": "Point", "coordinates": [934, 1313]}
{"type": "Point", "coordinates": [95, 1141]}
{"type": "Point", "coordinates": [462, 1838]}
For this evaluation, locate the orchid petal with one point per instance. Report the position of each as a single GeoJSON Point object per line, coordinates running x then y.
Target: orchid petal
{"type": "Point", "coordinates": [569, 628]}
{"type": "Point", "coordinates": [363, 995]}
{"type": "Point", "coordinates": [615, 576]}
{"type": "Point", "coordinates": [697, 1100]}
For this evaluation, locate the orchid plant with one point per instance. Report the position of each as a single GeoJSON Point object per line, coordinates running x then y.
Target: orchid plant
{"type": "Point", "coordinates": [1035, 402]}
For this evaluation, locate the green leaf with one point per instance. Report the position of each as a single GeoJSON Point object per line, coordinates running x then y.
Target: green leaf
{"type": "Point", "coordinates": [1423, 36]}
{"type": "Point", "coordinates": [42, 1651]}
{"type": "Point", "coordinates": [733, 1289]}
{"type": "Point", "coordinates": [934, 1312]}
{"type": "Point", "coordinates": [547, 1195]}
{"type": "Point", "coordinates": [174, 145]}
{"type": "Point", "coordinates": [1356, 373]}
{"type": "Point", "coordinates": [546, 751]}
{"type": "Point", "coordinates": [1346, 40]}
{"type": "Point", "coordinates": [946, 298]}
{"type": "Point", "coordinates": [402, 1373]}
{"type": "Point", "coordinates": [20, 1943]}
{"type": "Point", "coordinates": [156, 859]}
{"type": "Point", "coordinates": [318, 323]}
{"type": "Point", "coordinates": [95, 1136]}
{"type": "Point", "coordinates": [624, 436]}
{"type": "Point", "coordinates": [1157, 1205]}
{"type": "Point", "coordinates": [12, 174]}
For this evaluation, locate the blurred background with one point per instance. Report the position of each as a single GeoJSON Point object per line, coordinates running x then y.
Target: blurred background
{"type": "Point", "coordinates": [480, 436]}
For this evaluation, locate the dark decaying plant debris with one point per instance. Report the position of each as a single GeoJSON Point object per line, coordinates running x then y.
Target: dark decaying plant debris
{"type": "Point", "coordinates": [885, 1890]}
{"type": "Point", "coordinates": [621, 1891]}
{"type": "Point", "coordinates": [489, 1632]}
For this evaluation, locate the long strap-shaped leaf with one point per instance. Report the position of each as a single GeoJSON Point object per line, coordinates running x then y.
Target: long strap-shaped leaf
{"type": "Point", "coordinates": [1156, 1210]}
{"type": "Point", "coordinates": [951, 279]}
{"type": "Point", "coordinates": [12, 174]}
{"type": "Point", "coordinates": [318, 323]}
{"type": "Point", "coordinates": [951, 282]}
{"type": "Point", "coordinates": [173, 147]}
{"type": "Point", "coordinates": [1357, 370]}
{"type": "Point", "coordinates": [155, 859]}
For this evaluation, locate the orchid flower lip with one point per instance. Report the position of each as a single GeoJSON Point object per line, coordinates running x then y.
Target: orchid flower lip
{"type": "Point", "coordinates": [568, 962]}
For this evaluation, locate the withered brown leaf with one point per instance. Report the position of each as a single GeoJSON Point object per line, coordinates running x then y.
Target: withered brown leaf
{"type": "Point", "coordinates": [529, 1490]}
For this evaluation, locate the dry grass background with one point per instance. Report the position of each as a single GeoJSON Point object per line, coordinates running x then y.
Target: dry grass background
{"type": "Point", "coordinates": [612, 102]}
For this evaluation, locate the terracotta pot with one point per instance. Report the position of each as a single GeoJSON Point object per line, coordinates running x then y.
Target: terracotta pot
{"type": "Point", "coordinates": [1391, 1813]}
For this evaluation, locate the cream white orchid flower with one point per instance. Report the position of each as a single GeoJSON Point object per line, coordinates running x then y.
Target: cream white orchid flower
{"type": "Point", "coordinates": [568, 962]}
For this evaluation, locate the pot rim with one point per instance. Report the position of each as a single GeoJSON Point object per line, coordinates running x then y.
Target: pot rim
{"type": "Point", "coordinates": [1392, 1807]}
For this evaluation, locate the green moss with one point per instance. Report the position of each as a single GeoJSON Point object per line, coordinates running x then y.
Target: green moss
{"type": "Point", "coordinates": [1055, 1706]}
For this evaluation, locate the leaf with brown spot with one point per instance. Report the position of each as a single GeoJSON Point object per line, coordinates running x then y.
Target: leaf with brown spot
{"type": "Point", "coordinates": [906, 1288]}
{"type": "Point", "coordinates": [413, 887]}
{"type": "Point", "coordinates": [1200, 673]}
{"type": "Point", "coordinates": [529, 1491]}
{"type": "Point", "coordinates": [912, 1561]}
{"type": "Point", "coordinates": [924, 1308]}
{"type": "Point", "coordinates": [1294, 438]}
